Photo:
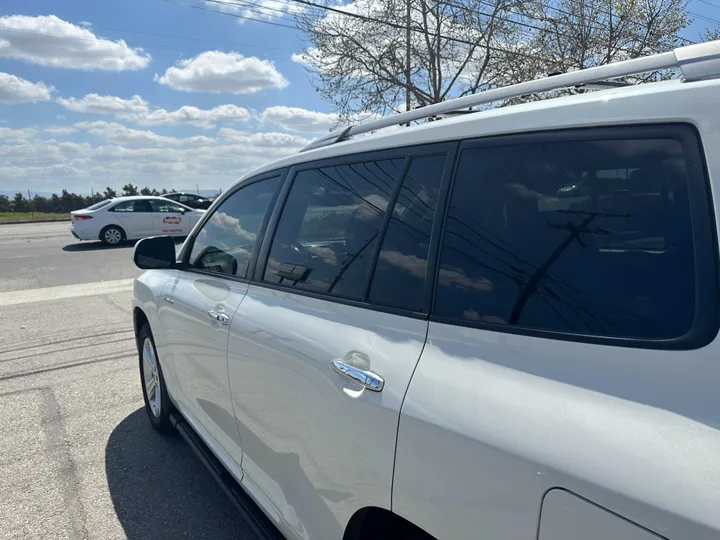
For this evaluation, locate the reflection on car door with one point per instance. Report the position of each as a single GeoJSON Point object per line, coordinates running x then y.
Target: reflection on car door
{"type": "Point", "coordinates": [317, 444]}
{"type": "Point", "coordinates": [198, 308]}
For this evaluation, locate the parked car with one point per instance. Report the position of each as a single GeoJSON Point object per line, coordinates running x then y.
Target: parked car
{"type": "Point", "coordinates": [190, 199]}
{"type": "Point", "coordinates": [415, 335]}
{"type": "Point", "coordinates": [128, 218]}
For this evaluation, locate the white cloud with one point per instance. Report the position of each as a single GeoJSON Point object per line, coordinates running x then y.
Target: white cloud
{"type": "Point", "coordinates": [50, 41]}
{"type": "Point", "coordinates": [138, 110]}
{"type": "Point", "coordinates": [95, 103]}
{"type": "Point", "coordinates": [119, 134]}
{"type": "Point", "coordinates": [216, 71]}
{"type": "Point", "coordinates": [300, 58]}
{"type": "Point", "coordinates": [297, 119]}
{"type": "Point", "coordinates": [272, 139]}
{"type": "Point", "coordinates": [16, 90]}
{"type": "Point", "coordinates": [59, 130]}
{"type": "Point", "coordinates": [28, 161]}
{"type": "Point", "coordinates": [188, 114]}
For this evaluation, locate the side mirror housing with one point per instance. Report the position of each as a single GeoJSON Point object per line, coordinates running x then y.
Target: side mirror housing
{"type": "Point", "coordinates": [154, 253]}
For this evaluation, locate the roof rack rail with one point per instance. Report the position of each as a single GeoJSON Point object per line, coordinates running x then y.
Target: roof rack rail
{"type": "Point", "coordinates": [697, 62]}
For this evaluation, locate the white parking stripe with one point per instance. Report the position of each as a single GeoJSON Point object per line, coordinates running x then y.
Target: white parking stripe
{"type": "Point", "coordinates": [12, 298]}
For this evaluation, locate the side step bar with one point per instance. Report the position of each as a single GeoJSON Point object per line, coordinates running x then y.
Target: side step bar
{"type": "Point", "coordinates": [256, 520]}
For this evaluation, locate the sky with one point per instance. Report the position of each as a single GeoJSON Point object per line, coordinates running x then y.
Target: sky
{"type": "Point", "coordinates": [97, 93]}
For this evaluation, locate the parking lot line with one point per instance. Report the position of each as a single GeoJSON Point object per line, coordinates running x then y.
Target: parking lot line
{"type": "Point", "coordinates": [12, 298]}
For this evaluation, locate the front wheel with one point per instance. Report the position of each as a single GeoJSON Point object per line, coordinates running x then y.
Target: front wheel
{"type": "Point", "coordinates": [157, 401]}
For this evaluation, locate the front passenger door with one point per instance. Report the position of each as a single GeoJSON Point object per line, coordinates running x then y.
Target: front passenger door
{"type": "Point", "coordinates": [170, 219]}
{"type": "Point", "coordinates": [198, 306]}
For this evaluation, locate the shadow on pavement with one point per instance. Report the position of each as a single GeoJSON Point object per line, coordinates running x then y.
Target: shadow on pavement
{"type": "Point", "coordinates": [160, 489]}
{"type": "Point", "coordinates": [95, 246]}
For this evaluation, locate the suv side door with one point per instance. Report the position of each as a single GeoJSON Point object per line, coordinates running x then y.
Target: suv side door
{"type": "Point", "coordinates": [570, 344]}
{"type": "Point", "coordinates": [317, 444]}
{"type": "Point", "coordinates": [198, 304]}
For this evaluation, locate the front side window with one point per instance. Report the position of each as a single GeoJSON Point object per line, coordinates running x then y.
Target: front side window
{"type": "Point", "coordinates": [588, 237]}
{"type": "Point", "coordinates": [226, 241]}
{"type": "Point", "coordinates": [329, 227]}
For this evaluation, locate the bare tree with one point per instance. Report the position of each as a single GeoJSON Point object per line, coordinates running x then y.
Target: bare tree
{"type": "Point", "coordinates": [359, 61]}
{"type": "Point", "coordinates": [576, 34]}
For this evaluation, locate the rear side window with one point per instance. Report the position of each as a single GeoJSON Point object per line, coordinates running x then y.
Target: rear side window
{"type": "Point", "coordinates": [329, 227]}
{"type": "Point", "coordinates": [587, 237]}
{"type": "Point", "coordinates": [399, 278]}
{"type": "Point", "coordinates": [132, 206]}
{"type": "Point", "coordinates": [226, 241]}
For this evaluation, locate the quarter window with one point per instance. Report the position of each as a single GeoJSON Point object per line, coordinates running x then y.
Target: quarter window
{"type": "Point", "coordinates": [329, 227]}
{"type": "Point", "coordinates": [589, 237]}
{"type": "Point", "coordinates": [226, 241]}
{"type": "Point", "coordinates": [399, 278]}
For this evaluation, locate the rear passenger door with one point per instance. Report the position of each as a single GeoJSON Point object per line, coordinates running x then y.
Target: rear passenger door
{"type": "Point", "coordinates": [569, 344]}
{"type": "Point", "coordinates": [135, 217]}
{"type": "Point", "coordinates": [341, 294]}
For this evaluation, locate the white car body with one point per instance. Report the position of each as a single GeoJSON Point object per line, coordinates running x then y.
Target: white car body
{"type": "Point", "coordinates": [482, 429]}
{"type": "Point", "coordinates": [162, 216]}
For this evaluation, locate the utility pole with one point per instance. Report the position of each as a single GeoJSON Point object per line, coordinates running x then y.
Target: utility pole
{"type": "Point", "coordinates": [407, 57]}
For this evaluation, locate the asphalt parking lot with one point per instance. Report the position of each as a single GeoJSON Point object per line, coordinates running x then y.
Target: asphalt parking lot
{"type": "Point", "coordinates": [78, 458]}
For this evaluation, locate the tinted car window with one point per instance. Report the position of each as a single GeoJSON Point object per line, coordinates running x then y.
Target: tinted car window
{"type": "Point", "coordinates": [399, 277]}
{"type": "Point", "coordinates": [164, 206]}
{"type": "Point", "coordinates": [329, 227]}
{"type": "Point", "coordinates": [590, 237]}
{"type": "Point", "coordinates": [226, 240]}
{"type": "Point", "coordinates": [132, 206]}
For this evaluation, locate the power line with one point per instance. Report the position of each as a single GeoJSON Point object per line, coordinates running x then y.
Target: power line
{"type": "Point", "coordinates": [709, 3]}
{"type": "Point", "coordinates": [372, 19]}
{"type": "Point", "coordinates": [236, 15]}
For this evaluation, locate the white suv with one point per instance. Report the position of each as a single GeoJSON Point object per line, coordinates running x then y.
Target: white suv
{"type": "Point", "coordinates": [499, 326]}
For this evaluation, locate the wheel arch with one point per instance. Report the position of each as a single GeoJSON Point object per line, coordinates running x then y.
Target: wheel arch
{"type": "Point", "coordinates": [374, 523]}
{"type": "Point", "coordinates": [118, 227]}
{"type": "Point", "coordinates": [140, 319]}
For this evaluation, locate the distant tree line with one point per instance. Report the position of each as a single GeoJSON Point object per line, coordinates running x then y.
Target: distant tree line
{"type": "Point", "coordinates": [66, 201]}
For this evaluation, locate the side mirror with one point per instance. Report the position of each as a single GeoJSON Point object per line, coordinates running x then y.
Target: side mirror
{"type": "Point", "coordinates": [154, 253]}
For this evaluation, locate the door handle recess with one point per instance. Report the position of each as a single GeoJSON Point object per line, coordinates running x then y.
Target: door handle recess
{"type": "Point", "coordinates": [219, 317]}
{"type": "Point", "coordinates": [368, 379]}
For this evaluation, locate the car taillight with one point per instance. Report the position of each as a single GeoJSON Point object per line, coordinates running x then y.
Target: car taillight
{"type": "Point", "coordinates": [82, 217]}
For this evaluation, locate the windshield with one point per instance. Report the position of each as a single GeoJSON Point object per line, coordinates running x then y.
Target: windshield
{"type": "Point", "coordinates": [99, 205]}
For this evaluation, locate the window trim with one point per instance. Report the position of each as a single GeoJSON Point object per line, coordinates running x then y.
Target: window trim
{"type": "Point", "coordinates": [705, 323]}
{"type": "Point", "coordinates": [407, 153]}
{"type": "Point", "coordinates": [183, 262]}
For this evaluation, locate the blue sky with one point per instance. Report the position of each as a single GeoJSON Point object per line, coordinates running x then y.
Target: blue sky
{"type": "Point", "coordinates": [71, 119]}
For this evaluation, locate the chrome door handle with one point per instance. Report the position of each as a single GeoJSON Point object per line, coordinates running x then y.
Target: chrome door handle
{"type": "Point", "coordinates": [170, 300]}
{"type": "Point", "coordinates": [219, 317]}
{"type": "Point", "coordinates": [368, 379]}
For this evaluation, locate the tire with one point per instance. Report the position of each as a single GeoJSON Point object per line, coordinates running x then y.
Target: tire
{"type": "Point", "coordinates": [157, 404]}
{"type": "Point", "coordinates": [112, 235]}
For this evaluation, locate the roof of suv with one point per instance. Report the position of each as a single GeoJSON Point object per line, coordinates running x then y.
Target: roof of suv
{"type": "Point", "coordinates": [666, 101]}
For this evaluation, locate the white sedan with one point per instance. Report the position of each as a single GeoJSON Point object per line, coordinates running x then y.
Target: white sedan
{"type": "Point", "coordinates": [129, 218]}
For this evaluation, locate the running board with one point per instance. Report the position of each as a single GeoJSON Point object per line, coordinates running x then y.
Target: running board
{"type": "Point", "coordinates": [256, 520]}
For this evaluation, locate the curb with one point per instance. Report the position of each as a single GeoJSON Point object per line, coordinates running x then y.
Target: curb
{"type": "Point", "coordinates": [24, 221]}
